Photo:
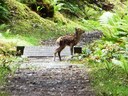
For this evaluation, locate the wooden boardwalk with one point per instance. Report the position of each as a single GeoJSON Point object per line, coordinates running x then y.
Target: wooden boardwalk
{"type": "Point", "coordinates": [43, 51]}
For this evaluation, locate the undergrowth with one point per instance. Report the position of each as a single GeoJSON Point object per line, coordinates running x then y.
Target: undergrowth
{"type": "Point", "coordinates": [7, 68]}
{"type": "Point", "coordinates": [108, 58]}
{"type": "Point", "coordinates": [112, 83]}
{"type": "Point", "coordinates": [8, 64]}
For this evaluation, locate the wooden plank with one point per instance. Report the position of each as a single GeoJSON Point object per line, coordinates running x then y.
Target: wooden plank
{"type": "Point", "coordinates": [43, 51]}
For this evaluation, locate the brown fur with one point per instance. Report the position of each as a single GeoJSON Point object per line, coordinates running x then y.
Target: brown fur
{"type": "Point", "coordinates": [68, 40]}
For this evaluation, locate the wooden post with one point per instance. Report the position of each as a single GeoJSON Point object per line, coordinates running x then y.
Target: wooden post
{"type": "Point", "coordinates": [77, 49]}
{"type": "Point", "coordinates": [19, 50]}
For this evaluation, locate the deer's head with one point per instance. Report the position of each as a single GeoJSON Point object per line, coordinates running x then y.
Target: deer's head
{"type": "Point", "coordinates": [79, 31]}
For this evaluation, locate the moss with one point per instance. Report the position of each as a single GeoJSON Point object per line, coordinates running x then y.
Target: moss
{"type": "Point", "coordinates": [59, 18]}
{"type": "Point", "coordinates": [28, 24]}
{"type": "Point", "coordinates": [22, 12]}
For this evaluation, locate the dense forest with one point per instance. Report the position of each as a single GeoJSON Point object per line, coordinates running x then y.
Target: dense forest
{"type": "Point", "coordinates": [31, 22]}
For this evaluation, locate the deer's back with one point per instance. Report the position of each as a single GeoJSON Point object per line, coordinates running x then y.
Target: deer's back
{"type": "Point", "coordinates": [67, 40]}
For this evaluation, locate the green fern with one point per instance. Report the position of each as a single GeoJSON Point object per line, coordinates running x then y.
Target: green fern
{"type": "Point", "coordinates": [3, 12]}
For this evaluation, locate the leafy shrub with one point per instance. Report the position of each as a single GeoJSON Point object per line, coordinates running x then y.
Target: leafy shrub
{"type": "Point", "coordinates": [7, 49]}
{"type": "Point", "coordinates": [55, 3]}
{"type": "Point", "coordinates": [4, 69]}
{"type": "Point", "coordinates": [3, 11]}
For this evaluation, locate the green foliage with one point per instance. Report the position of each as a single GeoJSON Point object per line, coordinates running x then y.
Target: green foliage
{"type": "Point", "coordinates": [108, 57]}
{"type": "Point", "coordinates": [113, 83]}
{"type": "Point", "coordinates": [55, 3]}
{"type": "Point", "coordinates": [124, 64]}
{"type": "Point", "coordinates": [81, 9]}
{"type": "Point", "coordinates": [7, 49]}
{"type": "Point", "coordinates": [4, 13]}
{"type": "Point", "coordinates": [90, 24]}
{"type": "Point", "coordinates": [91, 13]}
{"type": "Point", "coordinates": [8, 65]}
{"type": "Point", "coordinates": [3, 27]}
{"type": "Point", "coordinates": [108, 66]}
{"type": "Point", "coordinates": [4, 68]}
{"type": "Point", "coordinates": [57, 6]}
{"type": "Point", "coordinates": [114, 28]}
{"type": "Point", "coordinates": [27, 1]}
{"type": "Point", "coordinates": [8, 62]}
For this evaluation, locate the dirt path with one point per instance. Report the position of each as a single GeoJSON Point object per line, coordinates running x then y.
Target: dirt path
{"type": "Point", "coordinates": [44, 77]}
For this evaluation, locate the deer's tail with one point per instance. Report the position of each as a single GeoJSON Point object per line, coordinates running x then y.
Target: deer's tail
{"type": "Point", "coordinates": [59, 41]}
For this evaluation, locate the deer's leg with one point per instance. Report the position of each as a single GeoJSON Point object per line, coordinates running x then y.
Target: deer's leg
{"type": "Point", "coordinates": [58, 50]}
{"type": "Point", "coordinates": [71, 50]}
{"type": "Point", "coordinates": [55, 55]}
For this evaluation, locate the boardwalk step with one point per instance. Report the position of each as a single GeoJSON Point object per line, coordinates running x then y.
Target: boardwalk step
{"type": "Point", "coordinates": [43, 51]}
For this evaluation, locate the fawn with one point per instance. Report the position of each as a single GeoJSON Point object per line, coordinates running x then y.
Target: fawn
{"type": "Point", "coordinates": [68, 40]}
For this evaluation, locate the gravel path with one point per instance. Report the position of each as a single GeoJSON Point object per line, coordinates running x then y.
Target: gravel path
{"type": "Point", "coordinates": [44, 77]}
